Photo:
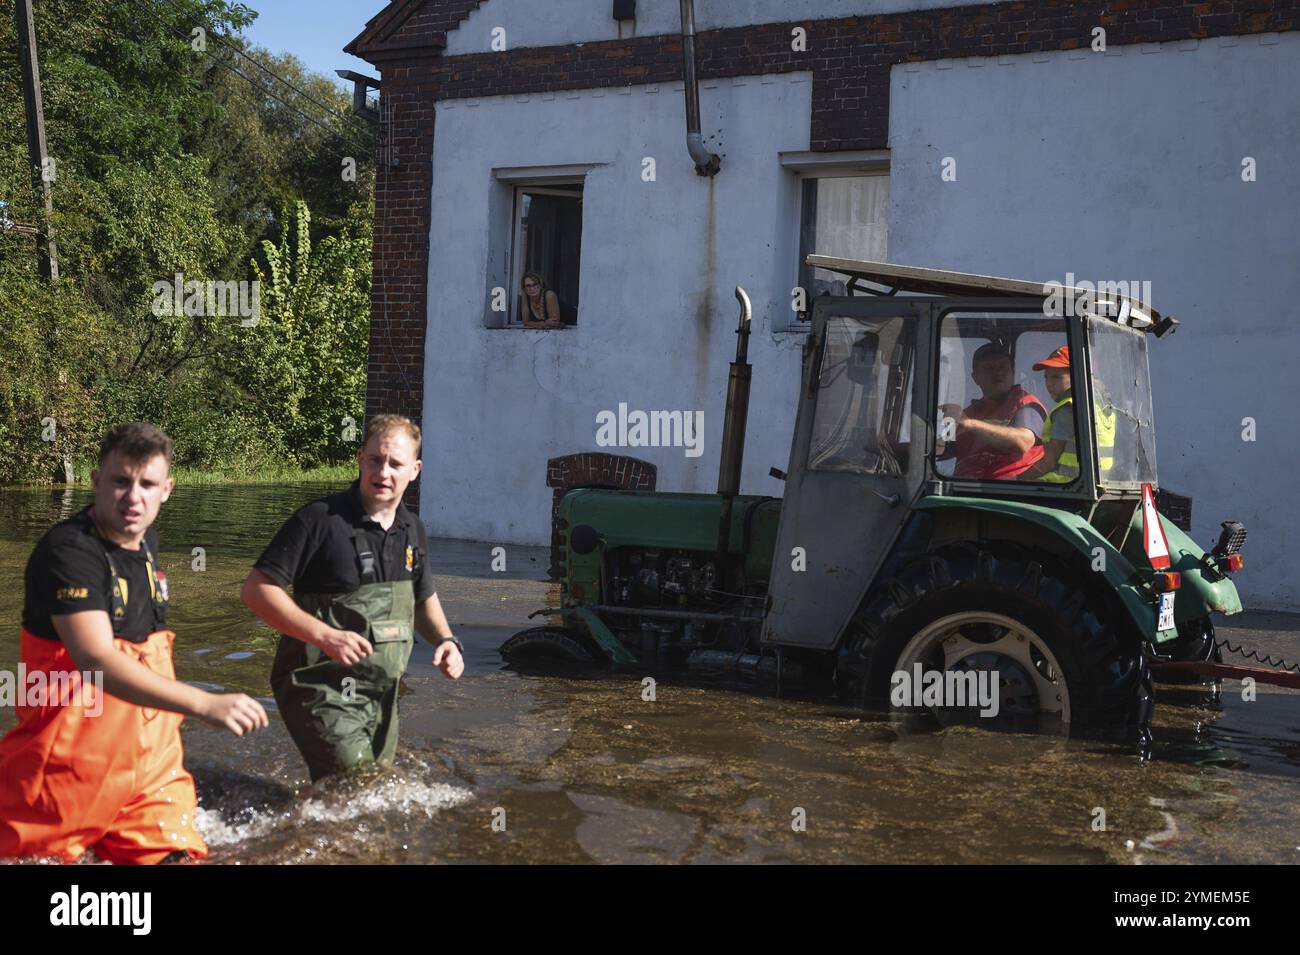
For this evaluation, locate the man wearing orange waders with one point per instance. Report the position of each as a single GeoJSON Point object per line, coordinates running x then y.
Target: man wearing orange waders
{"type": "Point", "coordinates": [100, 767]}
{"type": "Point", "coordinates": [361, 587]}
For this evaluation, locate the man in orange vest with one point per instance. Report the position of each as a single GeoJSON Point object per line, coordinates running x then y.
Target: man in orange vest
{"type": "Point", "coordinates": [98, 763]}
{"type": "Point", "coordinates": [997, 434]}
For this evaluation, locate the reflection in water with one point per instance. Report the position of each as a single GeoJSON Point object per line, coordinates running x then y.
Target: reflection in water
{"type": "Point", "coordinates": [507, 767]}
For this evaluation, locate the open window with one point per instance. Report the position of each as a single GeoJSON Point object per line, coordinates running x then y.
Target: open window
{"type": "Point", "coordinates": [1000, 418]}
{"type": "Point", "coordinates": [546, 250]}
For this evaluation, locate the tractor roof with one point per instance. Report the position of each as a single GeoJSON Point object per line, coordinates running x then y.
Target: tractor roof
{"type": "Point", "coordinates": [908, 278]}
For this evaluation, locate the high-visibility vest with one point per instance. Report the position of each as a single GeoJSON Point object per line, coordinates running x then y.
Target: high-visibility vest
{"type": "Point", "coordinates": [1105, 418]}
{"type": "Point", "coordinates": [1067, 465]}
{"type": "Point", "coordinates": [976, 460]}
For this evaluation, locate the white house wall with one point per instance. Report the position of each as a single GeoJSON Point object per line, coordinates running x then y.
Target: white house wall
{"type": "Point", "coordinates": [1127, 166]}
{"type": "Point", "coordinates": [528, 23]}
{"type": "Point", "coordinates": [657, 321]}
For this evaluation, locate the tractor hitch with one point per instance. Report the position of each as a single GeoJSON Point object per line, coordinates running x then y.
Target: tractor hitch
{"type": "Point", "coordinates": [1230, 671]}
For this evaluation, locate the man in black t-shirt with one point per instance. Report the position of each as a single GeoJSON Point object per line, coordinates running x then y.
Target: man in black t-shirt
{"type": "Point", "coordinates": [358, 565]}
{"type": "Point", "coordinates": [96, 764]}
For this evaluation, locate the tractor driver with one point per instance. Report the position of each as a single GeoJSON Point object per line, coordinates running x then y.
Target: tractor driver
{"type": "Point", "coordinates": [997, 434]}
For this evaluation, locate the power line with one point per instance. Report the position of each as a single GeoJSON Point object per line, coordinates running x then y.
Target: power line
{"type": "Point", "coordinates": [264, 89]}
{"type": "Point", "coordinates": [265, 69]}
{"type": "Point", "coordinates": [304, 115]}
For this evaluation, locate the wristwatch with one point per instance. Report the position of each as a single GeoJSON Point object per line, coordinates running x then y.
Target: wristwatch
{"type": "Point", "coordinates": [459, 646]}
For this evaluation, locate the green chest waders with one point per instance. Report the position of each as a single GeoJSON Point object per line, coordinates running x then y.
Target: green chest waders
{"type": "Point", "coordinates": [342, 717]}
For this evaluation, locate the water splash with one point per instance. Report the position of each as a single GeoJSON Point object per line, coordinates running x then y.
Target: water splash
{"type": "Point", "coordinates": [386, 793]}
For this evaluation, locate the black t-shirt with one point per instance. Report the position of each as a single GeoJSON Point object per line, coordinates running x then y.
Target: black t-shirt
{"type": "Point", "coordinates": [314, 551]}
{"type": "Point", "coordinates": [68, 572]}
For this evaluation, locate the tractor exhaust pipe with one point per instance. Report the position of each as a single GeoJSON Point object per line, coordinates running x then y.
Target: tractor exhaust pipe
{"type": "Point", "coordinates": [733, 425]}
{"type": "Point", "coordinates": [706, 163]}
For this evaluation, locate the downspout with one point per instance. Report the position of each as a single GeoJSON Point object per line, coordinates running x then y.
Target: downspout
{"type": "Point", "coordinates": [706, 163]}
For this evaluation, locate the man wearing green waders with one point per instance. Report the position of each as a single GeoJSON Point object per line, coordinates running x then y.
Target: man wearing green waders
{"type": "Point", "coordinates": [357, 562]}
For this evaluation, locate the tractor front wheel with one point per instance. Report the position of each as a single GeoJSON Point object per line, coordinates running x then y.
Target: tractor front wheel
{"type": "Point", "coordinates": [546, 648]}
{"type": "Point", "coordinates": [1019, 620]}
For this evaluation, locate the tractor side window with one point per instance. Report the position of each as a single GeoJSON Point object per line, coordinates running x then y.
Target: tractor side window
{"type": "Point", "coordinates": [864, 383]}
{"type": "Point", "coordinates": [1005, 399]}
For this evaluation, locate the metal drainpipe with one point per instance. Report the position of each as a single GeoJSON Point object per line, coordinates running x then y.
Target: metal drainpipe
{"type": "Point", "coordinates": [706, 163]}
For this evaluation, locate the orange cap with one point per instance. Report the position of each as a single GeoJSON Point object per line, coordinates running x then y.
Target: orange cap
{"type": "Point", "coordinates": [1057, 359]}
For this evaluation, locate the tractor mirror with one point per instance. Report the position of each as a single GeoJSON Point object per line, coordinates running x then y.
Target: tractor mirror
{"type": "Point", "coordinates": [583, 539]}
{"type": "Point", "coordinates": [862, 358]}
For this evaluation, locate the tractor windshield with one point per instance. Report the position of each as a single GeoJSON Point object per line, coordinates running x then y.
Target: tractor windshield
{"type": "Point", "coordinates": [1121, 394]}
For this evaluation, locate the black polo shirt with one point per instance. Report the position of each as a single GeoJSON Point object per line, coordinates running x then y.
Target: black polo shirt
{"type": "Point", "coordinates": [315, 554]}
{"type": "Point", "coordinates": [68, 572]}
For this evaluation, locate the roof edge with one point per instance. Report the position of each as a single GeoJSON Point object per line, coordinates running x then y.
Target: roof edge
{"type": "Point", "coordinates": [383, 25]}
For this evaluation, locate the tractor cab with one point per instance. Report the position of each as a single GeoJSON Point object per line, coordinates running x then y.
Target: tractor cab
{"type": "Point", "coordinates": [924, 384]}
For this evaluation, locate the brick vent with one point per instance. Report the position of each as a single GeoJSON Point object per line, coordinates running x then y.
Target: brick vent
{"type": "Point", "coordinates": [593, 469]}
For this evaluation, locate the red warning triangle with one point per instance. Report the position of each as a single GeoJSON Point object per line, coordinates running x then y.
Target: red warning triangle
{"type": "Point", "coordinates": [1152, 532]}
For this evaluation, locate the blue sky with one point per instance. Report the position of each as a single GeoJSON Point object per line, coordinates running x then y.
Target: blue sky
{"type": "Point", "coordinates": [315, 31]}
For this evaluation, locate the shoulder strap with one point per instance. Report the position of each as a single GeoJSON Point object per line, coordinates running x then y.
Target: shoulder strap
{"type": "Point", "coordinates": [117, 599]}
{"type": "Point", "coordinates": [365, 558]}
{"type": "Point", "coordinates": [157, 586]}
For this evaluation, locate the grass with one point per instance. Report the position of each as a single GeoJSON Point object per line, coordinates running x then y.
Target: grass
{"type": "Point", "coordinates": [333, 473]}
{"type": "Point", "coordinates": [198, 477]}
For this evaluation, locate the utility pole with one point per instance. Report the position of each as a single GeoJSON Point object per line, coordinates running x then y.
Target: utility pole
{"type": "Point", "coordinates": [42, 169]}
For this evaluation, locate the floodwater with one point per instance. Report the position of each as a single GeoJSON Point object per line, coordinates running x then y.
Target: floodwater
{"type": "Point", "coordinates": [504, 767]}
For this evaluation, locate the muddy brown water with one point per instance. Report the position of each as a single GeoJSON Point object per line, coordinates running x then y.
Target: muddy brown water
{"type": "Point", "coordinates": [505, 767]}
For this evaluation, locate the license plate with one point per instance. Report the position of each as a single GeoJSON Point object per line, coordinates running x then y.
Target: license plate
{"type": "Point", "coordinates": [1166, 621]}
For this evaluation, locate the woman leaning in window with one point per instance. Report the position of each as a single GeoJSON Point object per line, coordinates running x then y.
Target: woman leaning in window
{"type": "Point", "coordinates": [541, 306]}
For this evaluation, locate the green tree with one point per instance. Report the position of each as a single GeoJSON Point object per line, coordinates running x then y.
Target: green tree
{"type": "Point", "coordinates": [169, 162]}
{"type": "Point", "coordinates": [304, 363]}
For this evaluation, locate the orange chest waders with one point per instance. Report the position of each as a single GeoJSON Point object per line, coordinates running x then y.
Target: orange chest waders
{"type": "Point", "coordinates": [85, 769]}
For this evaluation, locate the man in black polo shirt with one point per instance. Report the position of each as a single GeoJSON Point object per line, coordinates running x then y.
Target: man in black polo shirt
{"type": "Point", "coordinates": [104, 770]}
{"type": "Point", "coordinates": [357, 563]}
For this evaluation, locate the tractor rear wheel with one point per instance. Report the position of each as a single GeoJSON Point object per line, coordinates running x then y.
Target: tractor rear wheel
{"type": "Point", "coordinates": [1016, 613]}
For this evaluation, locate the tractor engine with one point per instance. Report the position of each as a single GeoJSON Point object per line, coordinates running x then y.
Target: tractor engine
{"type": "Point", "coordinates": [684, 587]}
{"type": "Point", "coordinates": [659, 578]}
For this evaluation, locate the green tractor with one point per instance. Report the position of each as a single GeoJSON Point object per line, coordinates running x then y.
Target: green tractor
{"type": "Point", "coordinates": [970, 496]}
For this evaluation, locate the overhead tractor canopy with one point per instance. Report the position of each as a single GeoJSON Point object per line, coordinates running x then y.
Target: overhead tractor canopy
{"type": "Point", "coordinates": [1105, 302]}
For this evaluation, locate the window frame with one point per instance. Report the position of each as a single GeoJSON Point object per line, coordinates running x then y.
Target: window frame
{"type": "Point", "coordinates": [811, 166]}
{"type": "Point", "coordinates": [544, 187]}
{"type": "Point", "coordinates": [910, 339]}
{"type": "Point", "coordinates": [1079, 489]}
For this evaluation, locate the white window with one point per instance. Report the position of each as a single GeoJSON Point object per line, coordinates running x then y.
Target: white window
{"type": "Point", "coordinates": [546, 249]}
{"type": "Point", "coordinates": [843, 211]}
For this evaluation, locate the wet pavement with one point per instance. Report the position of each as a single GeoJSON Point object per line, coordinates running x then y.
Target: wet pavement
{"type": "Point", "coordinates": [504, 767]}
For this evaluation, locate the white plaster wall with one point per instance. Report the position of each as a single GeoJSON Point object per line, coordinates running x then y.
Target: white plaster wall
{"type": "Point", "coordinates": [657, 320]}
{"type": "Point", "coordinates": [531, 23]}
{"type": "Point", "coordinates": [1128, 166]}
